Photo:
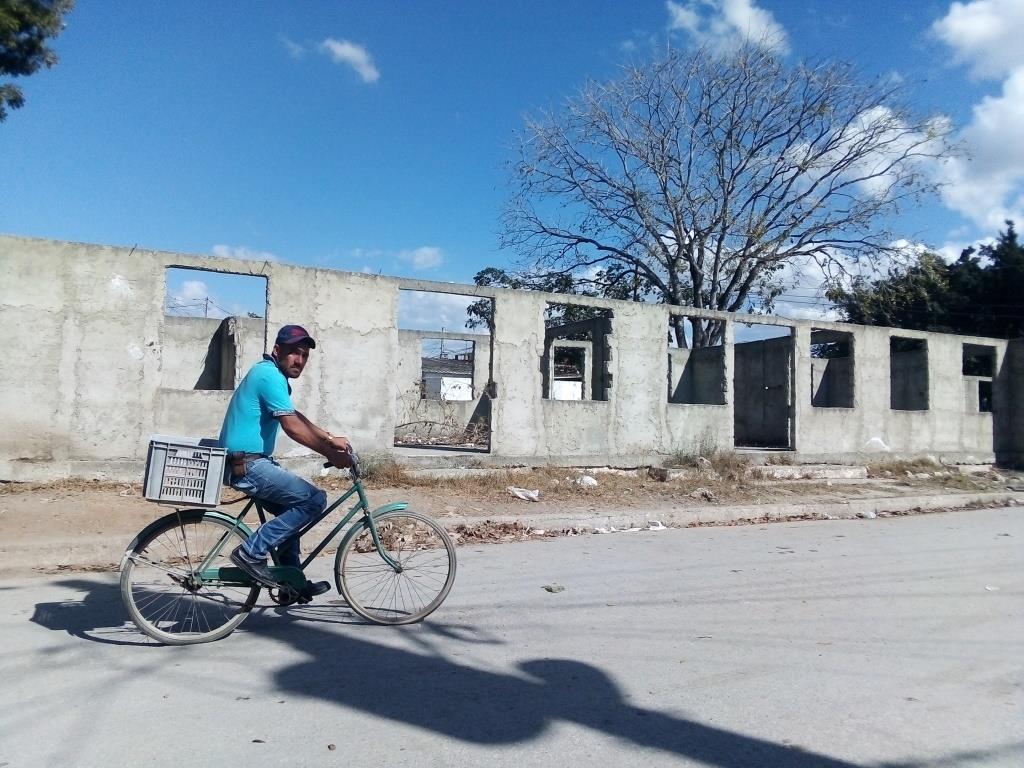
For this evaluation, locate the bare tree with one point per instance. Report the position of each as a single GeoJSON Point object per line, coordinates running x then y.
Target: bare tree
{"type": "Point", "coordinates": [703, 175]}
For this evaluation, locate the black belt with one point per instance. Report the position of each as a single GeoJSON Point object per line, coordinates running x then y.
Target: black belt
{"type": "Point", "coordinates": [237, 460]}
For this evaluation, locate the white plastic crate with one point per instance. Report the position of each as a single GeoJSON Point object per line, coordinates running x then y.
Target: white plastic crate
{"type": "Point", "coordinates": [184, 470]}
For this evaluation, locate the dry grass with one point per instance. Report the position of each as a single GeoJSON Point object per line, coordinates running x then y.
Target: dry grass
{"type": "Point", "coordinates": [562, 484]}
{"type": "Point", "coordinates": [899, 467]}
{"type": "Point", "coordinates": [727, 464]}
{"type": "Point", "coordinates": [73, 485]}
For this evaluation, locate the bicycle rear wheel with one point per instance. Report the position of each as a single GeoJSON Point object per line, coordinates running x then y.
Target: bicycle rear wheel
{"type": "Point", "coordinates": [162, 586]}
{"type": "Point", "coordinates": [375, 590]}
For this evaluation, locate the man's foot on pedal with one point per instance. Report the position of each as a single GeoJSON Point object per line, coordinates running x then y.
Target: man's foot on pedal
{"type": "Point", "coordinates": [314, 588]}
{"type": "Point", "coordinates": [255, 569]}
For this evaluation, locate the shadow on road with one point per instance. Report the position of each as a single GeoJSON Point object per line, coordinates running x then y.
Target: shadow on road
{"type": "Point", "coordinates": [431, 691]}
{"type": "Point", "coordinates": [490, 708]}
{"type": "Point", "coordinates": [99, 616]}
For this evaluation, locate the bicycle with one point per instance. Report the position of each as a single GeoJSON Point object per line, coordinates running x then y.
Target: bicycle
{"type": "Point", "coordinates": [392, 567]}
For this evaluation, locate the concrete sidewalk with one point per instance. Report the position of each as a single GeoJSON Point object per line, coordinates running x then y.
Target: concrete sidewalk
{"type": "Point", "coordinates": [681, 517]}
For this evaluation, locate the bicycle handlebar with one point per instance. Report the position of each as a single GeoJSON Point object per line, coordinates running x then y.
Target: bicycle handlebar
{"type": "Point", "coordinates": [354, 468]}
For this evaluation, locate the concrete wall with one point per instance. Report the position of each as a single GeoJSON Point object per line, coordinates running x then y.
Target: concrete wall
{"type": "Point", "coordinates": [111, 368]}
{"type": "Point", "coordinates": [832, 382]}
{"type": "Point", "coordinates": [207, 353]}
{"type": "Point", "coordinates": [697, 376]}
{"type": "Point", "coordinates": [1008, 396]}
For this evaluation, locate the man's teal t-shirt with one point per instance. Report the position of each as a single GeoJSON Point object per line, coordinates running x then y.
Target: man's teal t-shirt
{"type": "Point", "coordinates": [250, 423]}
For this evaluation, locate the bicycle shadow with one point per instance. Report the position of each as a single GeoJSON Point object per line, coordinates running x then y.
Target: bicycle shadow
{"type": "Point", "coordinates": [98, 616]}
{"type": "Point", "coordinates": [491, 708]}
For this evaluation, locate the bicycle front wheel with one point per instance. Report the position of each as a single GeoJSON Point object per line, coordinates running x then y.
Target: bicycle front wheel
{"type": "Point", "coordinates": [163, 584]}
{"type": "Point", "coordinates": [424, 554]}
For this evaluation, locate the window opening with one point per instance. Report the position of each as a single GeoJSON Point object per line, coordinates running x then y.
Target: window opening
{"type": "Point", "coordinates": [214, 328]}
{"type": "Point", "coordinates": [979, 368]}
{"type": "Point", "coordinates": [446, 370]}
{"type": "Point", "coordinates": [696, 360]}
{"type": "Point", "coordinates": [574, 365]}
{"type": "Point", "coordinates": [444, 381]}
{"type": "Point", "coordinates": [908, 374]}
{"type": "Point", "coordinates": [831, 369]}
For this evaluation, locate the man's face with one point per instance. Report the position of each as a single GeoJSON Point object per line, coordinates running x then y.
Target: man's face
{"type": "Point", "coordinates": [291, 358]}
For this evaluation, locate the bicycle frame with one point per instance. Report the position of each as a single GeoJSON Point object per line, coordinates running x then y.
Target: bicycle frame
{"type": "Point", "coordinates": [361, 504]}
{"type": "Point", "coordinates": [206, 573]}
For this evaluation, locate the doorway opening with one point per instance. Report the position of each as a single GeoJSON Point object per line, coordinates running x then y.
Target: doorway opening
{"type": "Point", "coordinates": [763, 386]}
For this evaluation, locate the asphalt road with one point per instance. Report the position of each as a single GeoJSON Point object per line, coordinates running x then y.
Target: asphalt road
{"type": "Point", "coordinates": [895, 642]}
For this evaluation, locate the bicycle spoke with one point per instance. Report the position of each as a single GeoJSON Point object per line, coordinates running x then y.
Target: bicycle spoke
{"type": "Point", "coordinates": [162, 588]}
{"type": "Point", "coordinates": [377, 591]}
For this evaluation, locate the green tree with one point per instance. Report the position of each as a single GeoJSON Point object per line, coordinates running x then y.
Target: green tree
{"type": "Point", "coordinates": [978, 294]}
{"type": "Point", "coordinates": [25, 27]}
{"type": "Point", "coordinates": [706, 174]}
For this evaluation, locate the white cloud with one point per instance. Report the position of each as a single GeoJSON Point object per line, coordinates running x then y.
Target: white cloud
{"type": "Point", "coordinates": [723, 24]}
{"type": "Point", "coordinates": [353, 55]}
{"type": "Point", "coordinates": [985, 35]}
{"type": "Point", "coordinates": [243, 253]}
{"type": "Point", "coordinates": [950, 251]}
{"type": "Point", "coordinates": [425, 311]}
{"type": "Point", "coordinates": [987, 186]}
{"type": "Point", "coordinates": [425, 257]}
{"type": "Point", "coordinates": [295, 50]}
{"type": "Point", "coordinates": [192, 299]}
{"type": "Point", "coordinates": [683, 17]}
{"type": "Point", "coordinates": [193, 289]}
{"type": "Point", "coordinates": [806, 311]}
{"type": "Point", "coordinates": [365, 254]}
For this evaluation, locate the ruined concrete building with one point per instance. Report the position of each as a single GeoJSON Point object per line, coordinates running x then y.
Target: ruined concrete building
{"type": "Point", "coordinates": [97, 366]}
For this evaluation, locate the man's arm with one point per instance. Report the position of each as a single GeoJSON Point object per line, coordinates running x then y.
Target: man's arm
{"type": "Point", "coordinates": [304, 432]}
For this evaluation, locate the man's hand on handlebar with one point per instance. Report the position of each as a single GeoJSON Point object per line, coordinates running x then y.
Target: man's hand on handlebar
{"type": "Point", "coordinates": [340, 442]}
{"type": "Point", "coordinates": [339, 451]}
{"type": "Point", "coordinates": [342, 459]}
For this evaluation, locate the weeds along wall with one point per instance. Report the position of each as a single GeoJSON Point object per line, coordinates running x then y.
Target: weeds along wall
{"type": "Point", "coordinates": [108, 368]}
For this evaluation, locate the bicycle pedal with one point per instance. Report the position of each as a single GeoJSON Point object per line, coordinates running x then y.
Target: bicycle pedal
{"type": "Point", "coordinates": [289, 593]}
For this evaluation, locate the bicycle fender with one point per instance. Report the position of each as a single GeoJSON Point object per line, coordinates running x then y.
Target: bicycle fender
{"type": "Point", "coordinates": [244, 529]}
{"type": "Point", "coordinates": [183, 514]}
{"type": "Point", "coordinates": [393, 507]}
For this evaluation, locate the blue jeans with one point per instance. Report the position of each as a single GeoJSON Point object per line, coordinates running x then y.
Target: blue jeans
{"type": "Point", "coordinates": [293, 502]}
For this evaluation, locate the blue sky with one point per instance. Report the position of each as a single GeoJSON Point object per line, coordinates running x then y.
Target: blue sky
{"type": "Point", "coordinates": [374, 135]}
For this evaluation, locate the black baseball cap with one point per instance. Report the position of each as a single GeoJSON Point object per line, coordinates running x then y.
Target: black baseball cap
{"type": "Point", "coordinates": [294, 334]}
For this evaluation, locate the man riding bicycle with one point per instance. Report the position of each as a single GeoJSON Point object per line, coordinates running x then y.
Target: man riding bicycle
{"type": "Point", "coordinates": [259, 407]}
